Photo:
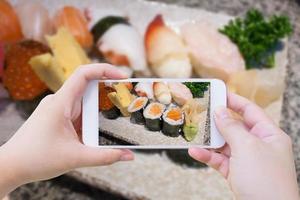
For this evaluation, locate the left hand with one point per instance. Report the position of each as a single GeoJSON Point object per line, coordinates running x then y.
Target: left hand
{"type": "Point", "coordinates": [47, 145]}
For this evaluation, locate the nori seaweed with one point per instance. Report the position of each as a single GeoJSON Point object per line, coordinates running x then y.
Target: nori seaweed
{"type": "Point", "coordinates": [137, 117]}
{"type": "Point", "coordinates": [112, 113]}
{"type": "Point", "coordinates": [171, 130]}
{"type": "Point", "coordinates": [153, 124]}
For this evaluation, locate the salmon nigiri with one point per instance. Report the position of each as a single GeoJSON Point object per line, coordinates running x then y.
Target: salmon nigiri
{"type": "Point", "coordinates": [75, 21]}
{"type": "Point", "coordinates": [166, 52]}
{"type": "Point", "coordinates": [9, 23]}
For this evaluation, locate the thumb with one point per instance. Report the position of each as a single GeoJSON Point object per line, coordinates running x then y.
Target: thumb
{"type": "Point", "coordinates": [233, 130]}
{"type": "Point", "coordinates": [95, 156]}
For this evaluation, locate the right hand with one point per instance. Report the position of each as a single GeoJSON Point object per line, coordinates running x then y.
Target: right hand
{"type": "Point", "coordinates": [258, 159]}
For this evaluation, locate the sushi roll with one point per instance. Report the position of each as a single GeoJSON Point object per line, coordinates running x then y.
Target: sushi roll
{"type": "Point", "coordinates": [112, 113]}
{"type": "Point", "coordinates": [136, 109]}
{"type": "Point", "coordinates": [172, 121]}
{"type": "Point", "coordinates": [152, 115]}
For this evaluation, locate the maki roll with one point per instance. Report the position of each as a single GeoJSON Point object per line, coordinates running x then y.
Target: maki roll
{"type": "Point", "coordinates": [172, 121]}
{"type": "Point", "coordinates": [152, 114]}
{"type": "Point", "coordinates": [136, 109]}
{"type": "Point", "coordinates": [108, 109]}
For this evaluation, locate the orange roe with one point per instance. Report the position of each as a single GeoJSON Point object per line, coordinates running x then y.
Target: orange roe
{"type": "Point", "coordinates": [155, 109]}
{"type": "Point", "coordinates": [174, 114]}
{"type": "Point", "coordinates": [19, 79]}
{"type": "Point", "coordinates": [104, 101]}
{"type": "Point", "coordinates": [138, 103]}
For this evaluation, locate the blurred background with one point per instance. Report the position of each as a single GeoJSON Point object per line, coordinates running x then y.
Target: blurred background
{"type": "Point", "coordinates": [273, 82]}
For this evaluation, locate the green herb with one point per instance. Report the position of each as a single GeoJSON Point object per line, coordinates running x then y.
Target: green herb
{"type": "Point", "coordinates": [197, 89]}
{"type": "Point", "coordinates": [257, 37]}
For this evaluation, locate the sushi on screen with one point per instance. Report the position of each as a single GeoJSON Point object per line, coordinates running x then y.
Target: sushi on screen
{"type": "Point", "coordinates": [172, 109]}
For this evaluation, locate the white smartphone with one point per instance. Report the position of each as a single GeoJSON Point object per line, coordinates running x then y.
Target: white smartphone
{"type": "Point", "coordinates": [152, 113]}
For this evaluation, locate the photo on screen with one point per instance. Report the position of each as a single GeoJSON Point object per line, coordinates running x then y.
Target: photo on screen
{"type": "Point", "coordinates": [154, 113]}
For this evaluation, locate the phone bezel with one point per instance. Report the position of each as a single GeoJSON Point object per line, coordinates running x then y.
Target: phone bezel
{"type": "Point", "coordinates": [90, 114]}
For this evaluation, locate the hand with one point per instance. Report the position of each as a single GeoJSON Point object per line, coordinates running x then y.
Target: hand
{"type": "Point", "coordinates": [47, 145]}
{"type": "Point", "coordinates": [257, 160]}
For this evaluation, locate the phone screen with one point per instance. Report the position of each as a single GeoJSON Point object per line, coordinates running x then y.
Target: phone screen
{"type": "Point", "coordinates": [154, 113]}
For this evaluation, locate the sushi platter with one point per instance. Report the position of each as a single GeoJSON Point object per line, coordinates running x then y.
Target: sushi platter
{"type": "Point", "coordinates": [144, 40]}
{"type": "Point", "coordinates": [171, 115]}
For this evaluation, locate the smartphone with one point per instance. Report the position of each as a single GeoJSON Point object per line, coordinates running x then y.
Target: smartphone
{"type": "Point", "coordinates": [152, 113]}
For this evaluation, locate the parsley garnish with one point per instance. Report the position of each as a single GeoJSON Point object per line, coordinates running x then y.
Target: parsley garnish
{"type": "Point", "coordinates": [258, 38]}
{"type": "Point", "coordinates": [197, 88]}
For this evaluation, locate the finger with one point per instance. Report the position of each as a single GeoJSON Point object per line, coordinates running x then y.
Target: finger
{"type": "Point", "coordinates": [94, 156]}
{"type": "Point", "coordinates": [215, 160]}
{"type": "Point", "coordinates": [250, 112]}
{"type": "Point", "coordinates": [75, 86]}
{"type": "Point", "coordinates": [70, 94]}
{"type": "Point", "coordinates": [233, 130]}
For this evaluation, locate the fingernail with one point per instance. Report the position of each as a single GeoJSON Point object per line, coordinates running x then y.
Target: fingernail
{"type": "Point", "coordinates": [126, 155]}
{"type": "Point", "coordinates": [222, 113]}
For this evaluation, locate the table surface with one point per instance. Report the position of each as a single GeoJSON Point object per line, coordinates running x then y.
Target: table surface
{"type": "Point", "coordinates": [291, 106]}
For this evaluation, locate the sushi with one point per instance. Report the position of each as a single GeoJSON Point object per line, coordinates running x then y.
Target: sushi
{"type": "Point", "coordinates": [172, 121]}
{"type": "Point", "coordinates": [121, 98]}
{"type": "Point", "coordinates": [152, 115]}
{"type": "Point", "coordinates": [35, 20]}
{"type": "Point", "coordinates": [144, 89]}
{"type": "Point", "coordinates": [108, 109]}
{"type": "Point", "coordinates": [136, 109]}
{"type": "Point", "coordinates": [121, 44]}
{"type": "Point", "coordinates": [74, 20]}
{"type": "Point", "coordinates": [212, 53]}
{"type": "Point", "coordinates": [162, 93]}
{"type": "Point", "coordinates": [180, 92]}
{"type": "Point", "coordinates": [166, 51]}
